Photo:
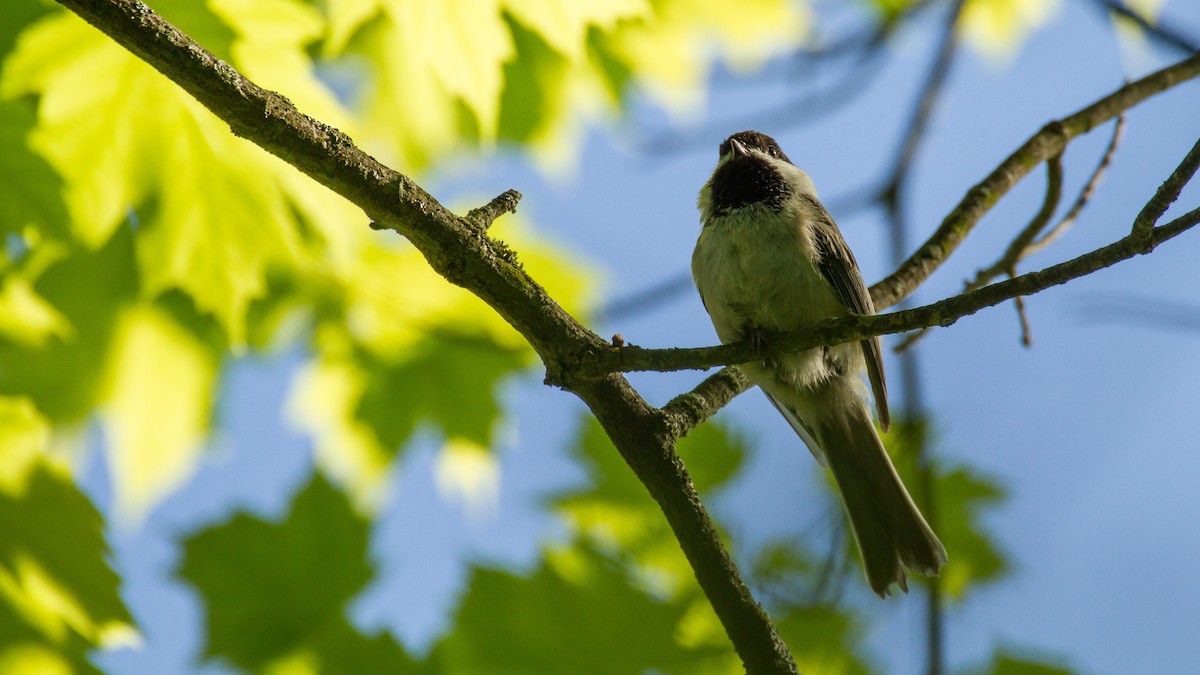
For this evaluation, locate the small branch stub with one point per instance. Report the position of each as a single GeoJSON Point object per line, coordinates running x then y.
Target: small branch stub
{"type": "Point", "coordinates": [485, 215]}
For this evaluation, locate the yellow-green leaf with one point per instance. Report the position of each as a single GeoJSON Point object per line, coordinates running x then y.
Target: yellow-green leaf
{"type": "Point", "coordinates": [433, 62]}
{"type": "Point", "coordinates": [125, 138]}
{"type": "Point", "coordinates": [565, 618]}
{"type": "Point", "coordinates": [997, 27]}
{"type": "Point", "coordinates": [323, 402]}
{"type": "Point", "coordinates": [58, 595]}
{"type": "Point", "coordinates": [468, 473]}
{"type": "Point", "coordinates": [157, 407]}
{"type": "Point", "coordinates": [26, 317]}
{"type": "Point", "coordinates": [564, 25]}
{"type": "Point", "coordinates": [670, 53]}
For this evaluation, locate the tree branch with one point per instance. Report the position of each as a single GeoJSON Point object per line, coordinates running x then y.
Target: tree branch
{"type": "Point", "coordinates": [1085, 194]}
{"type": "Point", "coordinates": [1024, 245]}
{"type": "Point", "coordinates": [461, 251]}
{"type": "Point", "coordinates": [576, 358]}
{"type": "Point", "coordinates": [687, 411]}
{"type": "Point", "coordinates": [1051, 140]}
{"type": "Point", "coordinates": [851, 328]}
{"type": "Point", "coordinates": [1167, 193]}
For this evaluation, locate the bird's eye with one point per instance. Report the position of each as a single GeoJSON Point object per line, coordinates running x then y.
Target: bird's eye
{"type": "Point", "coordinates": [773, 151]}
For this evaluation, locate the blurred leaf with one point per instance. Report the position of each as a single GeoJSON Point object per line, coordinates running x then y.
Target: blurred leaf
{"type": "Point", "coordinates": [615, 511]}
{"type": "Point", "coordinates": [342, 650]}
{"type": "Point", "coordinates": [271, 48]}
{"type": "Point", "coordinates": [663, 51]}
{"type": "Point", "coordinates": [277, 590]}
{"type": "Point", "coordinates": [157, 402]}
{"type": "Point", "coordinates": [824, 639]}
{"type": "Point", "coordinates": [470, 474]}
{"type": "Point", "coordinates": [565, 25]}
{"type": "Point", "coordinates": [445, 75]}
{"type": "Point", "coordinates": [17, 15]}
{"type": "Point", "coordinates": [88, 289]}
{"type": "Point", "coordinates": [576, 614]}
{"type": "Point", "coordinates": [33, 191]}
{"type": "Point", "coordinates": [199, 21]}
{"type": "Point", "coordinates": [426, 59]}
{"type": "Point", "coordinates": [535, 92]}
{"type": "Point", "coordinates": [123, 136]}
{"type": "Point", "coordinates": [58, 595]}
{"type": "Point", "coordinates": [363, 409]}
{"type": "Point", "coordinates": [962, 495]}
{"type": "Point", "coordinates": [778, 568]}
{"type": "Point", "coordinates": [398, 347]}
{"type": "Point", "coordinates": [25, 317]}
{"type": "Point", "coordinates": [889, 10]}
{"type": "Point", "coordinates": [997, 27]}
{"type": "Point", "coordinates": [448, 380]}
{"type": "Point", "coordinates": [323, 401]}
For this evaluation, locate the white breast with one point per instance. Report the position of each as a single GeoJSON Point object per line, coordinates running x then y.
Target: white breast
{"type": "Point", "coordinates": [755, 268]}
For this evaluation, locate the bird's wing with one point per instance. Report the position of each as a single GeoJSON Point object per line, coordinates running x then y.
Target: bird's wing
{"type": "Point", "coordinates": [839, 268]}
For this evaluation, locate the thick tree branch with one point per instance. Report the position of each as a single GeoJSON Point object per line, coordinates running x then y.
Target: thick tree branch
{"type": "Point", "coordinates": [460, 250]}
{"type": "Point", "coordinates": [1051, 140]}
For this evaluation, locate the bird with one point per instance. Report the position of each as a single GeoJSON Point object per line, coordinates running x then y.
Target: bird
{"type": "Point", "coordinates": [769, 258]}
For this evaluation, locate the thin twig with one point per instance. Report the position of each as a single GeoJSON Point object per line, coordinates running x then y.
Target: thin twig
{"type": "Point", "coordinates": [1167, 193]}
{"type": "Point", "coordinates": [1085, 195]}
{"type": "Point", "coordinates": [1021, 248]}
{"type": "Point", "coordinates": [1018, 248]}
{"type": "Point", "coordinates": [1156, 30]}
{"type": "Point", "coordinates": [1023, 318]}
{"type": "Point", "coordinates": [1007, 262]}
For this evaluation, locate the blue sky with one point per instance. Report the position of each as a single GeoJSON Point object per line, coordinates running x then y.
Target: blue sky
{"type": "Point", "coordinates": [1091, 430]}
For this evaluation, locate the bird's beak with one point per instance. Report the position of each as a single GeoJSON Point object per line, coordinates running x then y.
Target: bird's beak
{"type": "Point", "coordinates": [737, 149]}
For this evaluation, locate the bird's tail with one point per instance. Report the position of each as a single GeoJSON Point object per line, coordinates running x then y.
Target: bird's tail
{"type": "Point", "coordinates": [890, 530]}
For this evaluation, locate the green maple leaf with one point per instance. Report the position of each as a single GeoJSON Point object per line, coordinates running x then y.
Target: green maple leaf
{"type": "Point", "coordinates": [60, 596]}
{"type": "Point", "coordinates": [278, 592]}
{"type": "Point", "coordinates": [211, 219]}
{"type": "Point", "coordinates": [578, 613]}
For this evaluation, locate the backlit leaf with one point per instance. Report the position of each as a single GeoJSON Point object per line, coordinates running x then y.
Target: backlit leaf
{"type": "Point", "coordinates": [124, 137]}
{"type": "Point", "coordinates": [615, 511]}
{"type": "Point", "coordinates": [565, 617]}
{"type": "Point", "coordinates": [272, 590]}
{"type": "Point", "coordinates": [997, 27]}
{"type": "Point", "coordinates": [156, 408]}
{"type": "Point", "coordinates": [961, 497]}
{"type": "Point", "coordinates": [58, 595]}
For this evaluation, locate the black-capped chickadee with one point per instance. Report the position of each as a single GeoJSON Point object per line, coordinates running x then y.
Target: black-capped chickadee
{"type": "Point", "coordinates": [770, 258]}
